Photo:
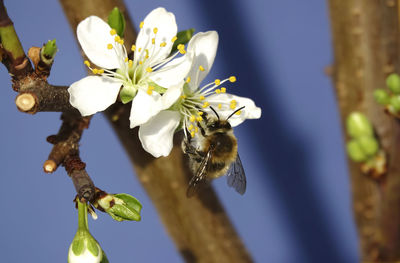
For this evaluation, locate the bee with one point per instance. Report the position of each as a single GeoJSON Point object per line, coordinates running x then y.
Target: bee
{"type": "Point", "coordinates": [214, 154]}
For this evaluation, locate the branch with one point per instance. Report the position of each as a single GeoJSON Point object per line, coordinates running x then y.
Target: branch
{"type": "Point", "coordinates": [366, 46]}
{"type": "Point", "coordinates": [199, 226]}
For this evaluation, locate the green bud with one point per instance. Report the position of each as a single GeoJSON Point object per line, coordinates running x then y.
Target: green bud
{"type": "Point", "coordinates": [395, 102]}
{"type": "Point", "coordinates": [393, 83]}
{"type": "Point", "coordinates": [368, 144]}
{"type": "Point", "coordinates": [358, 125]}
{"type": "Point", "coordinates": [119, 206]}
{"type": "Point", "coordinates": [49, 49]}
{"type": "Point", "coordinates": [116, 20]}
{"type": "Point", "coordinates": [183, 37]}
{"type": "Point", "coordinates": [355, 151]}
{"type": "Point", "coordinates": [381, 96]}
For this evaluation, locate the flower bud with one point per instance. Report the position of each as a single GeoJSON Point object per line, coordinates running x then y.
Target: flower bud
{"type": "Point", "coordinates": [116, 20]}
{"type": "Point", "coordinates": [355, 151]}
{"type": "Point", "coordinates": [119, 206]}
{"type": "Point", "coordinates": [85, 249]}
{"type": "Point", "coordinates": [358, 125]}
{"type": "Point", "coordinates": [368, 144]}
{"type": "Point", "coordinates": [393, 83]}
{"type": "Point", "coordinates": [395, 103]}
{"type": "Point", "coordinates": [381, 96]}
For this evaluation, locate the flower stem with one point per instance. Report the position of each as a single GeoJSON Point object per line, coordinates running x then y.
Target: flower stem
{"type": "Point", "coordinates": [82, 216]}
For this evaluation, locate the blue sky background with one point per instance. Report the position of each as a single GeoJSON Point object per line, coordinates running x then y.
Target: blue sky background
{"type": "Point", "coordinates": [297, 205]}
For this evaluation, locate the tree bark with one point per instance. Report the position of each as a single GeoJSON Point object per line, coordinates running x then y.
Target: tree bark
{"type": "Point", "coordinates": [199, 226]}
{"type": "Point", "coordinates": [366, 50]}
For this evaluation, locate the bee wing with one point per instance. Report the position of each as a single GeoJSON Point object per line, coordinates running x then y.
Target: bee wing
{"type": "Point", "coordinates": [200, 175]}
{"type": "Point", "coordinates": [236, 177]}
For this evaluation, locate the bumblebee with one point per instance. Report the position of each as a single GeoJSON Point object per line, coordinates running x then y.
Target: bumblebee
{"type": "Point", "coordinates": [213, 153]}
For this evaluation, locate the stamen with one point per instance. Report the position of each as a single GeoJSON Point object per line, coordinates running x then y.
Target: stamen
{"type": "Point", "coordinates": [155, 30]}
{"type": "Point", "coordinates": [150, 90]}
{"type": "Point", "coordinates": [141, 24]}
{"type": "Point", "coordinates": [200, 113]}
{"type": "Point", "coordinates": [206, 104]}
{"type": "Point", "coordinates": [149, 69]}
{"type": "Point", "coordinates": [223, 90]}
{"type": "Point", "coordinates": [95, 71]}
{"type": "Point", "coordinates": [196, 129]}
{"type": "Point", "coordinates": [201, 68]}
{"type": "Point", "coordinates": [109, 46]}
{"type": "Point", "coordinates": [113, 32]}
{"type": "Point", "coordinates": [182, 51]}
{"type": "Point", "coordinates": [192, 118]}
{"type": "Point", "coordinates": [232, 78]}
{"type": "Point", "coordinates": [202, 98]}
{"type": "Point", "coordinates": [87, 63]}
{"type": "Point", "coordinates": [187, 79]}
{"type": "Point", "coordinates": [140, 49]}
{"type": "Point", "coordinates": [190, 127]}
{"type": "Point", "coordinates": [238, 112]}
{"type": "Point", "coordinates": [219, 106]}
{"type": "Point", "coordinates": [192, 134]}
{"type": "Point", "coordinates": [153, 41]}
{"type": "Point", "coordinates": [133, 48]}
{"type": "Point", "coordinates": [180, 46]}
{"type": "Point", "coordinates": [117, 39]}
{"type": "Point", "coordinates": [199, 118]}
{"type": "Point", "coordinates": [163, 44]}
{"type": "Point", "coordinates": [217, 82]}
{"type": "Point", "coordinates": [218, 91]}
{"type": "Point", "coordinates": [183, 97]}
{"type": "Point", "coordinates": [130, 63]}
{"type": "Point", "coordinates": [126, 59]}
{"type": "Point", "coordinates": [174, 39]}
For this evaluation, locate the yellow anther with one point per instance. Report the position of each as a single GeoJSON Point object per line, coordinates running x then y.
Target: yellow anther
{"type": "Point", "coordinates": [217, 82]}
{"type": "Point", "coordinates": [200, 113]}
{"type": "Point", "coordinates": [155, 30]}
{"type": "Point", "coordinates": [153, 41]}
{"type": "Point", "coordinates": [163, 44]}
{"type": "Point", "coordinates": [196, 129]}
{"type": "Point", "coordinates": [206, 104]}
{"type": "Point", "coordinates": [100, 71]}
{"type": "Point", "coordinates": [233, 101]}
{"type": "Point", "coordinates": [109, 46]}
{"type": "Point", "coordinates": [121, 41]}
{"type": "Point", "coordinates": [140, 62]}
{"type": "Point", "coordinates": [113, 32]}
{"type": "Point", "coordinates": [180, 46]}
{"type": "Point", "coordinates": [223, 90]}
{"type": "Point", "coordinates": [117, 39]}
{"type": "Point", "coordinates": [174, 39]}
{"type": "Point", "coordinates": [140, 49]}
{"type": "Point", "coordinates": [232, 78]}
{"type": "Point", "coordinates": [238, 112]}
{"type": "Point", "coordinates": [133, 48]}
{"type": "Point", "coordinates": [192, 134]}
{"type": "Point", "coordinates": [183, 97]}
{"type": "Point", "coordinates": [147, 52]}
{"type": "Point", "coordinates": [199, 118]}
{"type": "Point", "coordinates": [95, 71]}
{"type": "Point", "coordinates": [201, 68]}
{"type": "Point", "coordinates": [126, 59]}
{"type": "Point", "coordinates": [218, 91]}
{"type": "Point", "coordinates": [190, 127]}
{"type": "Point", "coordinates": [87, 63]}
{"type": "Point", "coordinates": [149, 69]}
{"type": "Point", "coordinates": [219, 106]}
{"type": "Point", "coordinates": [130, 63]}
{"type": "Point", "coordinates": [182, 51]}
{"type": "Point", "coordinates": [187, 79]}
{"type": "Point", "coordinates": [141, 24]}
{"type": "Point", "coordinates": [202, 98]}
{"type": "Point", "coordinates": [192, 118]}
{"type": "Point", "coordinates": [232, 106]}
{"type": "Point", "coordinates": [150, 90]}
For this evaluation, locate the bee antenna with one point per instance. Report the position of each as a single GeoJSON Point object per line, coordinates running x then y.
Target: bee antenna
{"type": "Point", "coordinates": [234, 112]}
{"type": "Point", "coordinates": [214, 112]}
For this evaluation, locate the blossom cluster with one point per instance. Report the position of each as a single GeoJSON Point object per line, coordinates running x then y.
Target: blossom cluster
{"type": "Point", "coordinates": [164, 89]}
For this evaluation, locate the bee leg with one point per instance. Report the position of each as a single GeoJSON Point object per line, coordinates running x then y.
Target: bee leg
{"type": "Point", "coordinates": [203, 132]}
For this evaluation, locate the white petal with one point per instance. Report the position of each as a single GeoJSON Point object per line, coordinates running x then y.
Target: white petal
{"type": "Point", "coordinates": [173, 73]}
{"type": "Point", "coordinates": [165, 23]}
{"type": "Point", "coordinates": [157, 134]}
{"type": "Point", "coordinates": [144, 106]}
{"type": "Point", "coordinates": [203, 46]}
{"type": "Point", "coordinates": [94, 36]}
{"type": "Point", "coordinates": [94, 93]}
{"type": "Point", "coordinates": [251, 111]}
{"type": "Point", "coordinates": [171, 95]}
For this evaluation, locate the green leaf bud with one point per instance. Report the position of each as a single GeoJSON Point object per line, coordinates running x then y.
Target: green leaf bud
{"type": "Point", "coordinates": [116, 20]}
{"type": "Point", "coordinates": [355, 151]}
{"type": "Point", "coordinates": [381, 96]}
{"type": "Point", "coordinates": [368, 144]}
{"type": "Point", "coordinates": [119, 206]}
{"type": "Point", "coordinates": [49, 49]}
{"type": "Point", "coordinates": [393, 83]}
{"type": "Point", "coordinates": [358, 125]}
{"type": "Point", "coordinates": [395, 102]}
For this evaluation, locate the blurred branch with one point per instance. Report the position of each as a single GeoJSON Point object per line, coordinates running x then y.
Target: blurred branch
{"type": "Point", "coordinates": [199, 226]}
{"type": "Point", "coordinates": [366, 47]}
